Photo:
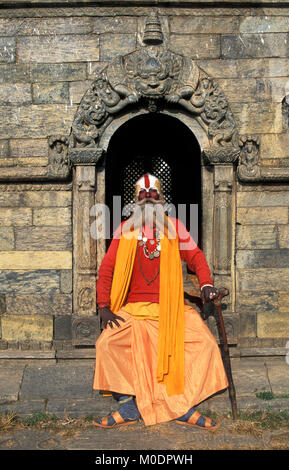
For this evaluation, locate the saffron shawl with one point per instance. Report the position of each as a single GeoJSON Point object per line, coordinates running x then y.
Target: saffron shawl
{"type": "Point", "coordinates": [170, 367]}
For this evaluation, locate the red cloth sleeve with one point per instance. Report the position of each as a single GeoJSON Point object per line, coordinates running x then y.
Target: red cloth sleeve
{"type": "Point", "coordinates": [189, 252]}
{"type": "Point", "coordinates": [105, 273]}
{"type": "Point", "coordinates": [193, 255]}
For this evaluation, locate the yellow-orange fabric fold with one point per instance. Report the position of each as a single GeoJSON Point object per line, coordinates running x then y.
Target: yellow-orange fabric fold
{"type": "Point", "coordinates": [170, 369]}
{"type": "Point", "coordinates": [123, 269]}
{"type": "Point", "coordinates": [126, 363]}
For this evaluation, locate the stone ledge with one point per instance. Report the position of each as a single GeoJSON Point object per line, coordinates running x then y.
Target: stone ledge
{"type": "Point", "coordinates": [20, 174]}
{"type": "Point", "coordinates": [86, 353]}
{"type": "Point", "coordinates": [18, 354]}
{"type": "Point", "coordinates": [57, 3]}
{"type": "Point", "coordinates": [266, 175]}
{"type": "Point", "coordinates": [81, 407]}
{"type": "Point", "coordinates": [23, 408]}
{"type": "Point", "coordinates": [72, 355]}
{"type": "Point", "coordinates": [247, 352]}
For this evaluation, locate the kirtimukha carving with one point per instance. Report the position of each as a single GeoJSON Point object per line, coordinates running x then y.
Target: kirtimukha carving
{"type": "Point", "coordinates": [154, 77]}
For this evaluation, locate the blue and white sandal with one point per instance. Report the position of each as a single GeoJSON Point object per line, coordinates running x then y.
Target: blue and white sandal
{"type": "Point", "coordinates": [194, 419]}
{"type": "Point", "coordinates": [126, 414]}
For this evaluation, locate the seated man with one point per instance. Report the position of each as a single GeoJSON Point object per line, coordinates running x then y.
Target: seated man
{"type": "Point", "coordinates": [157, 356]}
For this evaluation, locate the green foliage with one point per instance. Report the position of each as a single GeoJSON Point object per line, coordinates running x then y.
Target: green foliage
{"type": "Point", "coordinates": [270, 395]}
{"type": "Point", "coordinates": [39, 417]}
{"type": "Point", "coordinates": [265, 395]}
{"type": "Point", "coordinates": [267, 419]}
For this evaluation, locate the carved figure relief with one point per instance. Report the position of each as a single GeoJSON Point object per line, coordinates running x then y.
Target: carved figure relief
{"type": "Point", "coordinates": [249, 156]}
{"type": "Point", "coordinates": [154, 77]}
{"type": "Point", "coordinates": [59, 163]}
{"type": "Point", "coordinates": [85, 300]}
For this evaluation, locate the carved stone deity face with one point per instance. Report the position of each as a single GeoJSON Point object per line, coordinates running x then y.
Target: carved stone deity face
{"type": "Point", "coordinates": [152, 79]}
{"type": "Point", "coordinates": [250, 152]}
{"type": "Point", "coordinates": [96, 114]}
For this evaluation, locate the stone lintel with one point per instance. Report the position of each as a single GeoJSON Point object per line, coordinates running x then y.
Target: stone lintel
{"type": "Point", "coordinates": [266, 175]}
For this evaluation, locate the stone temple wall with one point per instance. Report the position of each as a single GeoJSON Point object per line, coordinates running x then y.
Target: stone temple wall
{"type": "Point", "coordinates": [35, 263]}
{"type": "Point", "coordinates": [262, 244]}
{"type": "Point", "coordinates": [48, 58]}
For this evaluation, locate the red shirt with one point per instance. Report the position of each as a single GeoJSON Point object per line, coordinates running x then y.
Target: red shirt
{"type": "Point", "coordinates": [140, 289]}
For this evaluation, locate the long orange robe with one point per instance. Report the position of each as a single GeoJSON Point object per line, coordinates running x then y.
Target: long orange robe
{"type": "Point", "coordinates": [126, 357]}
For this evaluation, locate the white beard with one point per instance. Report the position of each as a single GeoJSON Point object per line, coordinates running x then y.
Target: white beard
{"type": "Point", "coordinates": [149, 212]}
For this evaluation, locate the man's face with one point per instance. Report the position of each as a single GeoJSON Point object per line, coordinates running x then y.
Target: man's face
{"type": "Point", "coordinates": [148, 194]}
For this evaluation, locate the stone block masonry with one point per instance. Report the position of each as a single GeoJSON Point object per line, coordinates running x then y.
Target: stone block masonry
{"type": "Point", "coordinates": [262, 260]}
{"type": "Point", "coordinates": [35, 259]}
{"type": "Point", "coordinates": [44, 58]}
{"type": "Point", "coordinates": [48, 59]}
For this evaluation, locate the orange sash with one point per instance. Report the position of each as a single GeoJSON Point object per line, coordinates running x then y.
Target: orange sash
{"type": "Point", "coordinates": [170, 367]}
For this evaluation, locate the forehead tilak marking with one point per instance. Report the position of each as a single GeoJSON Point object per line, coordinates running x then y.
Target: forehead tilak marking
{"type": "Point", "coordinates": [147, 180]}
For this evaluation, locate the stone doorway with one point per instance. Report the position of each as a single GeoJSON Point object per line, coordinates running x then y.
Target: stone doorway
{"type": "Point", "coordinates": [161, 145]}
{"type": "Point", "coordinates": [164, 103]}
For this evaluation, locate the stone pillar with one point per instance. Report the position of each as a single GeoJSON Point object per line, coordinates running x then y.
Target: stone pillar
{"type": "Point", "coordinates": [223, 183]}
{"type": "Point", "coordinates": [222, 160]}
{"type": "Point", "coordinates": [85, 325]}
{"type": "Point", "coordinates": [223, 247]}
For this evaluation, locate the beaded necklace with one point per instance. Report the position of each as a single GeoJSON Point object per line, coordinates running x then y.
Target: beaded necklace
{"type": "Point", "coordinates": [149, 255]}
{"type": "Point", "coordinates": [143, 242]}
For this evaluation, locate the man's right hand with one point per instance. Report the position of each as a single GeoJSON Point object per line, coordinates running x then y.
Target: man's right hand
{"type": "Point", "coordinates": [108, 317]}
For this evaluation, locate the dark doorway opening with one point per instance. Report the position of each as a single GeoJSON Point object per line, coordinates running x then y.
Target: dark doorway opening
{"type": "Point", "coordinates": [163, 146]}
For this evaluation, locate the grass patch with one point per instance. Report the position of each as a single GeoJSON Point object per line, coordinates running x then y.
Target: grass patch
{"type": "Point", "coordinates": [248, 432]}
{"type": "Point", "coordinates": [268, 419]}
{"type": "Point", "coordinates": [250, 422]}
{"type": "Point", "coordinates": [253, 422]}
{"type": "Point", "coordinates": [8, 422]}
{"type": "Point", "coordinates": [39, 419]}
{"type": "Point", "coordinates": [265, 395]}
{"type": "Point", "coordinates": [64, 426]}
{"type": "Point", "coordinates": [269, 395]}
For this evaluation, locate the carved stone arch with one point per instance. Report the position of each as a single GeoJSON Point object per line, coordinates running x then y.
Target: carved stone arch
{"type": "Point", "coordinates": [192, 125]}
{"type": "Point", "coordinates": [152, 79]}
{"type": "Point", "coordinates": [164, 144]}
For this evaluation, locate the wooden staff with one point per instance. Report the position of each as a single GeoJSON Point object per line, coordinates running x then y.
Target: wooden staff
{"type": "Point", "coordinates": [207, 310]}
{"type": "Point", "coordinates": [225, 350]}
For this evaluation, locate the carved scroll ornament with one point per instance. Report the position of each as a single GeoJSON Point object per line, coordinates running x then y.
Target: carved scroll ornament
{"type": "Point", "coordinates": [153, 77]}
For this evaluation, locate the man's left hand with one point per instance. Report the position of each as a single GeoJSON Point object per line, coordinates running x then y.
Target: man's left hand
{"type": "Point", "coordinates": [208, 294]}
